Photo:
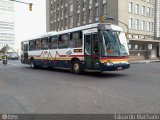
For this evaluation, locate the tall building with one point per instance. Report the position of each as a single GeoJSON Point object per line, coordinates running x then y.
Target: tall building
{"type": "Point", "coordinates": [137, 17]}
{"type": "Point", "coordinates": [65, 14]}
{"type": "Point", "coordinates": [6, 23]}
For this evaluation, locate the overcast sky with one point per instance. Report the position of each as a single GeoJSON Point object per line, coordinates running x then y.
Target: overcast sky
{"type": "Point", "coordinates": [29, 23]}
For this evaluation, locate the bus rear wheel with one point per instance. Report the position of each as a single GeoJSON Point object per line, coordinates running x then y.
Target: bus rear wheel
{"type": "Point", "coordinates": [76, 67]}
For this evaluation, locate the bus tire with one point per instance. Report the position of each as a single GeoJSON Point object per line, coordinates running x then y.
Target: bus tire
{"type": "Point", "coordinates": [76, 67]}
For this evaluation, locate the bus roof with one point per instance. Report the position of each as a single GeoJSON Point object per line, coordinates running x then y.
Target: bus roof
{"type": "Point", "coordinates": [94, 25]}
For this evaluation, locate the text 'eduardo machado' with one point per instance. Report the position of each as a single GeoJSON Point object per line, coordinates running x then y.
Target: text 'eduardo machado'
{"type": "Point", "coordinates": [137, 116]}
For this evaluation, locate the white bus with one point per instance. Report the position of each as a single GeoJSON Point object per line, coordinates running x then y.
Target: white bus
{"type": "Point", "coordinates": [98, 46]}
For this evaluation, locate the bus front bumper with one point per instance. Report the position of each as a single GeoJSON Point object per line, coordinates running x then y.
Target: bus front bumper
{"type": "Point", "coordinates": [114, 67]}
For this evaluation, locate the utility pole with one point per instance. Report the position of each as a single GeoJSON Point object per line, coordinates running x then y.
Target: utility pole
{"type": "Point", "coordinates": [30, 4]}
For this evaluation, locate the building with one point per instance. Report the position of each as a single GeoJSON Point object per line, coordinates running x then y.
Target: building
{"type": "Point", "coordinates": [6, 23]}
{"type": "Point", "coordinates": [157, 19]}
{"type": "Point", "coordinates": [65, 14]}
{"type": "Point", "coordinates": [140, 18]}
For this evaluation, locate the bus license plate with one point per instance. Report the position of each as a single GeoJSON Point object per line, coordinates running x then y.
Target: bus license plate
{"type": "Point", "coordinates": [119, 68]}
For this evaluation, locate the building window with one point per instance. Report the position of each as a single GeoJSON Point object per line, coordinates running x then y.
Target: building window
{"type": "Point", "coordinates": [54, 16]}
{"type": "Point", "coordinates": [148, 11]}
{"type": "Point", "coordinates": [78, 5]}
{"type": "Point", "coordinates": [137, 9]}
{"type": "Point", "coordinates": [65, 22]}
{"type": "Point", "coordinates": [51, 11]}
{"type": "Point", "coordinates": [78, 18]}
{"type": "Point", "coordinates": [58, 25]}
{"type": "Point", "coordinates": [51, 2]}
{"type": "Point", "coordinates": [137, 24]}
{"type": "Point", "coordinates": [130, 22]}
{"type": "Point", "coordinates": [90, 14]}
{"type": "Point", "coordinates": [84, 4]}
{"type": "Point", "coordinates": [61, 2]}
{"type": "Point", "coordinates": [57, 15]}
{"type": "Point", "coordinates": [97, 11]}
{"type": "Point", "coordinates": [142, 25]}
{"type": "Point", "coordinates": [130, 6]}
{"type": "Point", "coordinates": [148, 26]}
{"type": "Point", "coordinates": [65, 10]}
{"type": "Point", "coordinates": [90, 2]}
{"type": "Point", "coordinates": [62, 13]}
{"type": "Point", "coordinates": [71, 9]}
{"type": "Point", "coordinates": [152, 27]}
{"type": "Point", "coordinates": [84, 17]}
{"type": "Point", "coordinates": [130, 46]}
{"type": "Point", "coordinates": [71, 21]}
{"type": "Point", "coordinates": [70, 1]}
{"type": "Point", "coordinates": [57, 6]}
{"type": "Point", "coordinates": [143, 10]}
{"type": "Point", "coordinates": [104, 9]}
{"type": "Point", "coordinates": [136, 47]}
{"type": "Point", "coordinates": [143, 47]}
{"type": "Point", "coordinates": [148, 1]}
{"type": "Point", "coordinates": [152, 12]}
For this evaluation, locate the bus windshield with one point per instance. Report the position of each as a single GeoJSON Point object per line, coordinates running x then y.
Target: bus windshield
{"type": "Point", "coordinates": [114, 43]}
{"type": "Point", "coordinates": [122, 42]}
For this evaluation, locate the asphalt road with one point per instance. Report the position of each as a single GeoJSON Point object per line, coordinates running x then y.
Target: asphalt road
{"type": "Point", "coordinates": [26, 90]}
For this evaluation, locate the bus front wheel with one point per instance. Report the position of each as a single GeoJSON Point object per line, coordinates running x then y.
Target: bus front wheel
{"type": "Point", "coordinates": [76, 67]}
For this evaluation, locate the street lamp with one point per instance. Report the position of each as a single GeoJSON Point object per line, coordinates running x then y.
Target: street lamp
{"type": "Point", "coordinates": [111, 18]}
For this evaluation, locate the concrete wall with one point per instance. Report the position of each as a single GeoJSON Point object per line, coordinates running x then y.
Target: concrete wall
{"type": "Point", "coordinates": [112, 10]}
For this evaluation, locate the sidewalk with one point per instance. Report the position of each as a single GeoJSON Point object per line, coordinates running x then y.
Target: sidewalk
{"type": "Point", "coordinates": [143, 61]}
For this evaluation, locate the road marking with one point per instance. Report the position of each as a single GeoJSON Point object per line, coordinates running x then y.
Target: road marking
{"type": "Point", "coordinates": [12, 64]}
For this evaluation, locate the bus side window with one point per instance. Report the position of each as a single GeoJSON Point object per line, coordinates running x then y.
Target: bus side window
{"type": "Point", "coordinates": [63, 41]}
{"type": "Point", "coordinates": [53, 42]}
{"type": "Point", "coordinates": [76, 39]}
{"type": "Point", "coordinates": [44, 44]}
{"type": "Point", "coordinates": [32, 45]}
{"type": "Point", "coordinates": [38, 44]}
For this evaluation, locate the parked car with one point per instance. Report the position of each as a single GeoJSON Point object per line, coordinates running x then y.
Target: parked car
{"type": "Point", "coordinates": [12, 56]}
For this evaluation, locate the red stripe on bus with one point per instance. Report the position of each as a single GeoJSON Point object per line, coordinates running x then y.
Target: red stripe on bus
{"type": "Point", "coordinates": [106, 58]}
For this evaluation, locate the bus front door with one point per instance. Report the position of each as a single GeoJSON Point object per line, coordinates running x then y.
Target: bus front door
{"type": "Point", "coordinates": [91, 51]}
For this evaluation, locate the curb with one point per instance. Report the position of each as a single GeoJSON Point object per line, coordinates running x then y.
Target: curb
{"type": "Point", "coordinates": [142, 62]}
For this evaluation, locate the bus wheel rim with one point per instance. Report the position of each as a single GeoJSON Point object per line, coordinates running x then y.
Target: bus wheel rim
{"type": "Point", "coordinates": [76, 67]}
{"type": "Point", "coordinates": [32, 65]}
